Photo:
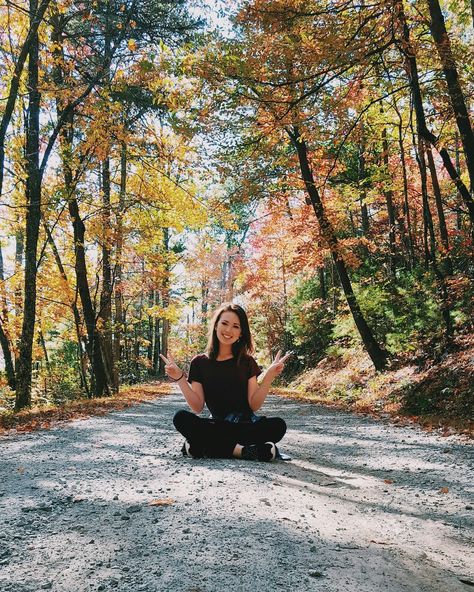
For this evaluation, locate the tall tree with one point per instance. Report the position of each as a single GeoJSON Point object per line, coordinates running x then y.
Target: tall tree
{"type": "Point", "coordinates": [36, 19]}
{"type": "Point", "coordinates": [33, 220]}
{"type": "Point", "coordinates": [377, 354]}
{"type": "Point", "coordinates": [5, 339]}
{"type": "Point", "coordinates": [409, 54]}
{"type": "Point", "coordinates": [285, 91]}
{"type": "Point", "coordinates": [456, 94]}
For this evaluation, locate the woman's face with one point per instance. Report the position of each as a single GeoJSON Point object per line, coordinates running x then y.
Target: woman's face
{"type": "Point", "coordinates": [228, 328]}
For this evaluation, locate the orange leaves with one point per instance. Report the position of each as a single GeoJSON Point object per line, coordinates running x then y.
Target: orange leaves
{"type": "Point", "coordinates": [44, 417]}
{"type": "Point", "coordinates": [168, 501]}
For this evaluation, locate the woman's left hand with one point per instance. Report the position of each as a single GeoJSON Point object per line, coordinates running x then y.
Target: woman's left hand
{"type": "Point", "coordinates": [278, 364]}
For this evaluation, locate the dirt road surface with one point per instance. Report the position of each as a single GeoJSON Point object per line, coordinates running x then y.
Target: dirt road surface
{"type": "Point", "coordinates": [363, 506]}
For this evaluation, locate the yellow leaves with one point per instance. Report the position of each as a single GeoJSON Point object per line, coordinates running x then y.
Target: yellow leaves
{"type": "Point", "coordinates": [62, 7]}
{"type": "Point", "coordinates": [169, 313]}
{"type": "Point", "coordinates": [188, 63]}
{"type": "Point", "coordinates": [132, 45]}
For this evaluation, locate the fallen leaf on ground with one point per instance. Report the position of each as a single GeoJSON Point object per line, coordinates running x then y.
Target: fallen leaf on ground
{"type": "Point", "coordinates": [162, 502]}
{"type": "Point", "coordinates": [444, 490]}
{"type": "Point", "coordinates": [389, 481]}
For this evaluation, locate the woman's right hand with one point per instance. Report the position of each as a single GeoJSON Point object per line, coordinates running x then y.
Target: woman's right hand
{"type": "Point", "coordinates": [171, 368]}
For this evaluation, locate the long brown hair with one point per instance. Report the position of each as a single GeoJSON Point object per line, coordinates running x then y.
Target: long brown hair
{"type": "Point", "coordinates": [241, 348]}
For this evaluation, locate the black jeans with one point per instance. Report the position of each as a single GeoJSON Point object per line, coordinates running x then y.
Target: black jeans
{"type": "Point", "coordinates": [217, 438]}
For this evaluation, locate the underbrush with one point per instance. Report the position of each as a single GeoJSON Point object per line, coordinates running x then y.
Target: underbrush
{"type": "Point", "coordinates": [434, 392]}
{"type": "Point", "coordinates": [56, 386]}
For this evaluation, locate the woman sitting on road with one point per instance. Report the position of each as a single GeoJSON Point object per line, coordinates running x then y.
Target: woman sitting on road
{"type": "Point", "coordinates": [225, 379]}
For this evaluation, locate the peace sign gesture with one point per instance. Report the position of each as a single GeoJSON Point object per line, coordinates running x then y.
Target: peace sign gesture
{"type": "Point", "coordinates": [171, 368]}
{"type": "Point", "coordinates": [278, 363]}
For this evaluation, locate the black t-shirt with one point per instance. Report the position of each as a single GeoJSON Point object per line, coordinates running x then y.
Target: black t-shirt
{"type": "Point", "coordinates": [225, 383]}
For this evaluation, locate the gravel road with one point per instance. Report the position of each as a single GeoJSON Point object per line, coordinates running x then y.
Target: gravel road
{"type": "Point", "coordinates": [363, 506]}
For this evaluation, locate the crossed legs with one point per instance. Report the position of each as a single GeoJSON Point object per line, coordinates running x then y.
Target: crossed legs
{"type": "Point", "coordinates": [223, 439]}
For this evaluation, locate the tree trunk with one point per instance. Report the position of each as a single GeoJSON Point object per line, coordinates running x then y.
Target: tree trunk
{"type": "Point", "coordinates": [5, 340]}
{"type": "Point", "coordinates": [430, 246]}
{"type": "Point", "coordinates": [99, 377]}
{"type": "Point", "coordinates": [136, 353]}
{"type": "Point", "coordinates": [378, 355]}
{"type": "Point", "coordinates": [409, 239]}
{"type": "Point", "coordinates": [457, 157]}
{"type": "Point", "coordinates": [44, 348]}
{"type": "Point", "coordinates": [7, 356]}
{"type": "Point", "coordinates": [334, 291]}
{"type": "Point", "coordinates": [33, 217]}
{"type": "Point", "coordinates": [165, 331]}
{"type": "Point", "coordinates": [31, 39]}
{"type": "Point", "coordinates": [99, 384]}
{"type": "Point", "coordinates": [390, 205]}
{"type": "Point", "coordinates": [156, 339]}
{"type": "Point", "coordinates": [73, 304]}
{"type": "Point", "coordinates": [364, 214]}
{"type": "Point", "coordinates": [19, 255]}
{"type": "Point", "coordinates": [149, 349]}
{"type": "Point", "coordinates": [429, 241]}
{"type": "Point", "coordinates": [126, 354]}
{"type": "Point", "coordinates": [105, 313]}
{"type": "Point", "coordinates": [456, 95]}
{"type": "Point", "coordinates": [138, 329]}
{"type": "Point", "coordinates": [204, 299]}
{"type": "Point", "coordinates": [322, 283]}
{"type": "Point", "coordinates": [118, 296]}
{"type": "Point", "coordinates": [165, 298]}
{"type": "Point", "coordinates": [423, 131]}
{"type": "Point", "coordinates": [443, 230]}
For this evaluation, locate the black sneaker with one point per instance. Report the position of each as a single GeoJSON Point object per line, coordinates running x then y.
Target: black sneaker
{"type": "Point", "coordinates": [263, 452]}
{"type": "Point", "coordinates": [249, 452]}
{"type": "Point", "coordinates": [192, 451]}
{"type": "Point", "coordinates": [267, 452]}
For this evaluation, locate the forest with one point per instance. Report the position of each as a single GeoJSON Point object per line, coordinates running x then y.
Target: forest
{"type": "Point", "coordinates": [312, 160]}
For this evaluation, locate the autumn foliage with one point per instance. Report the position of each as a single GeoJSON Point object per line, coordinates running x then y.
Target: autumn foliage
{"type": "Point", "coordinates": [314, 160]}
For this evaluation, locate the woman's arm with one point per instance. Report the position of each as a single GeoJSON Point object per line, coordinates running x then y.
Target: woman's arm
{"type": "Point", "coordinates": [193, 393]}
{"type": "Point", "coordinates": [257, 393]}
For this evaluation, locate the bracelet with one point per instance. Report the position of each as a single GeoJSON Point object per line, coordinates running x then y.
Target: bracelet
{"type": "Point", "coordinates": [177, 379]}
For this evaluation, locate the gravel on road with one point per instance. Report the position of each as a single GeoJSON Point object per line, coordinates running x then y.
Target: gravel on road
{"type": "Point", "coordinates": [109, 503]}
